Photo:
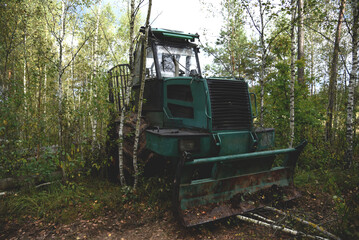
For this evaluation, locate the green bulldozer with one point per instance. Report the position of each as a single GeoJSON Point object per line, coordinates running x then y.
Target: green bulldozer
{"type": "Point", "coordinates": [224, 166]}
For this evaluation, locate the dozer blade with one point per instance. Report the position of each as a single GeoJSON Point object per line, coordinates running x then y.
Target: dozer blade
{"type": "Point", "coordinates": [208, 189]}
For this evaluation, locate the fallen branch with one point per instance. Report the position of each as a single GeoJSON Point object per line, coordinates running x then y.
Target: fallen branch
{"type": "Point", "coordinates": [261, 217]}
{"type": "Point", "coordinates": [313, 225]}
{"type": "Point", "coordinates": [281, 228]}
{"type": "Point", "coordinates": [11, 183]}
{"type": "Point", "coordinates": [45, 184]}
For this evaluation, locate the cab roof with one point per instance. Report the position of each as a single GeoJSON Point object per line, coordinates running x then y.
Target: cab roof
{"type": "Point", "coordinates": [172, 34]}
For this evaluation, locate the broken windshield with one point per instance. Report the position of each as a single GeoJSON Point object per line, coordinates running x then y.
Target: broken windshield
{"type": "Point", "coordinates": [176, 61]}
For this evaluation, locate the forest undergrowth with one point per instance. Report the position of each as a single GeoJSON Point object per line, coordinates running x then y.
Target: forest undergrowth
{"type": "Point", "coordinates": [324, 191]}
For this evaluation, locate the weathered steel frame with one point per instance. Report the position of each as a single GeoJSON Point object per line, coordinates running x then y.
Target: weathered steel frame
{"type": "Point", "coordinates": [205, 200]}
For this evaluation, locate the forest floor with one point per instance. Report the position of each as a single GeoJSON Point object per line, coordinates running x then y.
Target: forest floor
{"type": "Point", "coordinates": [143, 218]}
{"type": "Point", "coordinates": [149, 224]}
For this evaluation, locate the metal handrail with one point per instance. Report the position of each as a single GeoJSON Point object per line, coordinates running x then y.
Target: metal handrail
{"type": "Point", "coordinates": [239, 156]}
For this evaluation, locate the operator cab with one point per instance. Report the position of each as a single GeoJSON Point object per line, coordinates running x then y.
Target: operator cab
{"type": "Point", "coordinates": [169, 54]}
{"type": "Point", "coordinates": [171, 63]}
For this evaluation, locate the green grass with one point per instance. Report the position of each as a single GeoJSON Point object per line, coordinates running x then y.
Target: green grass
{"type": "Point", "coordinates": [84, 198]}
{"type": "Point", "coordinates": [63, 203]}
{"type": "Point", "coordinates": [332, 181]}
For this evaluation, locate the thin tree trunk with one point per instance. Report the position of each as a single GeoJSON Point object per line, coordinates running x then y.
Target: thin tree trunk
{"type": "Point", "coordinates": [131, 57]}
{"type": "Point", "coordinates": [263, 63]}
{"type": "Point", "coordinates": [95, 69]}
{"type": "Point", "coordinates": [24, 80]}
{"type": "Point", "coordinates": [260, 29]}
{"type": "Point", "coordinates": [72, 69]}
{"type": "Point", "coordinates": [25, 133]}
{"type": "Point", "coordinates": [45, 88]}
{"type": "Point", "coordinates": [310, 224]}
{"type": "Point", "coordinates": [338, 101]}
{"type": "Point", "coordinates": [7, 73]}
{"type": "Point", "coordinates": [120, 146]}
{"type": "Point", "coordinates": [73, 80]}
{"type": "Point", "coordinates": [300, 43]}
{"type": "Point", "coordinates": [231, 29]}
{"type": "Point", "coordinates": [140, 100]}
{"type": "Point", "coordinates": [312, 91]}
{"type": "Point", "coordinates": [45, 77]}
{"type": "Point", "coordinates": [333, 75]}
{"type": "Point", "coordinates": [279, 227]}
{"type": "Point", "coordinates": [351, 86]}
{"type": "Point", "coordinates": [127, 95]}
{"type": "Point", "coordinates": [132, 27]}
{"type": "Point", "coordinates": [60, 92]}
{"type": "Point", "coordinates": [292, 76]}
{"type": "Point", "coordinates": [39, 121]}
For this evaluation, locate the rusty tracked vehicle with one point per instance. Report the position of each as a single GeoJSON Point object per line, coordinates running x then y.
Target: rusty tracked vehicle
{"type": "Point", "coordinates": [224, 165]}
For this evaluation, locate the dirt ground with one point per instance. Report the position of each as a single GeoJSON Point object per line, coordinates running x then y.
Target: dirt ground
{"type": "Point", "coordinates": [152, 225]}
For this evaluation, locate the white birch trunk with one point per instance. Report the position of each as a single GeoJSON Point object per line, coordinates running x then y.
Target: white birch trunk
{"type": "Point", "coordinates": [300, 42]}
{"type": "Point", "coordinates": [120, 147]}
{"type": "Point", "coordinates": [140, 100]}
{"type": "Point", "coordinates": [351, 86]}
{"type": "Point", "coordinates": [263, 63]}
{"type": "Point", "coordinates": [45, 88]}
{"type": "Point", "coordinates": [24, 80]}
{"type": "Point", "coordinates": [23, 134]}
{"type": "Point", "coordinates": [95, 69]}
{"type": "Point", "coordinates": [280, 228]}
{"type": "Point", "coordinates": [127, 95]}
{"type": "Point", "coordinates": [73, 67]}
{"type": "Point", "coordinates": [313, 225]}
{"type": "Point", "coordinates": [261, 82]}
{"type": "Point", "coordinates": [292, 77]}
{"type": "Point", "coordinates": [312, 89]}
{"type": "Point", "coordinates": [45, 77]}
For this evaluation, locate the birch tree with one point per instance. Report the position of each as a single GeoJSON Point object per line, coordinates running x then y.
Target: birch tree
{"type": "Point", "coordinates": [300, 43]}
{"type": "Point", "coordinates": [60, 40]}
{"type": "Point", "coordinates": [351, 86]}
{"type": "Point", "coordinates": [333, 74]}
{"type": "Point", "coordinates": [57, 24]}
{"type": "Point", "coordinates": [94, 73]}
{"type": "Point", "coordinates": [140, 97]}
{"type": "Point", "coordinates": [261, 27]}
{"type": "Point", "coordinates": [132, 17]}
{"type": "Point", "coordinates": [292, 74]}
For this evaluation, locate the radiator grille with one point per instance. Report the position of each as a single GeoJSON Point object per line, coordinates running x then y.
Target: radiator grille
{"type": "Point", "coordinates": [229, 104]}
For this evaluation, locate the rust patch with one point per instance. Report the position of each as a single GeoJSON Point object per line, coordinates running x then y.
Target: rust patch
{"type": "Point", "coordinates": [239, 204]}
{"type": "Point", "coordinates": [235, 185]}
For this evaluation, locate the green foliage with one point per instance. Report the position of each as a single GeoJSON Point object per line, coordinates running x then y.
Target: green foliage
{"type": "Point", "coordinates": [157, 190]}
{"type": "Point", "coordinates": [64, 203]}
{"type": "Point", "coordinates": [44, 165]}
{"type": "Point", "coordinates": [234, 53]}
{"type": "Point", "coordinates": [30, 105]}
{"type": "Point", "coordinates": [84, 198]}
{"type": "Point", "coordinates": [343, 189]}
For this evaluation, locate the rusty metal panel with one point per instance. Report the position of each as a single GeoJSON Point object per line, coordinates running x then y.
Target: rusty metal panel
{"type": "Point", "coordinates": [211, 212]}
{"type": "Point", "coordinates": [234, 184]}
